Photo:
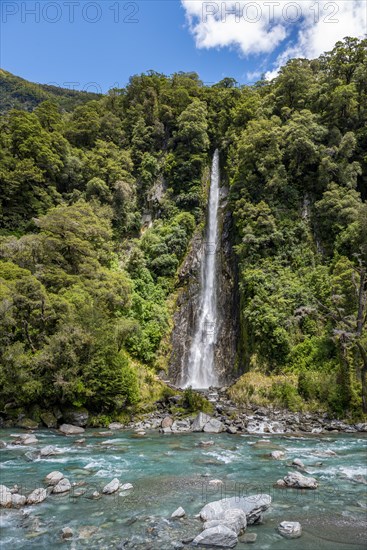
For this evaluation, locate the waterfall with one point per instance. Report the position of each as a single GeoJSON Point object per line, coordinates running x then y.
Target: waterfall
{"type": "Point", "coordinates": [200, 370]}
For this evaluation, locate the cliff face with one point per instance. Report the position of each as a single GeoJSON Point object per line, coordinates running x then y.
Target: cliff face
{"type": "Point", "coordinates": [186, 313]}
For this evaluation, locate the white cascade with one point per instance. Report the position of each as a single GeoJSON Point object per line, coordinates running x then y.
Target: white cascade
{"type": "Point", "coordinates": [200, 372]}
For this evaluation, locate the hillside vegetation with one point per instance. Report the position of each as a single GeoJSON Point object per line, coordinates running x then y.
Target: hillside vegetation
{"type": "Point", "coordinates": [99, 205]}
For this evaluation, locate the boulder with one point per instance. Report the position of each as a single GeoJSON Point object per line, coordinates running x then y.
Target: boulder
{"type": "Point", "coordinates": [49, 450]}
{"type": "Point", "coordinates": [179, 513]}
{"type": "Point", "coordinates": [37, 496]}
{"type": "Point", "coordinates": [49, 419]}
{"type": "Point", "coordinates": [69, 429]}
{"type": "Point", "coordinates": [234, 519]}
{"type": "Point", "coordinates": [180, 426]}
{"type": "Point", "coordinates": [167, 422]}
{"type": "Point", "coordinates": [217, 536]}
{"type": "Point", "coordinates": [3, 445]}
{"type": "Point", "coordinates": [27, 424]}
{"type": "Point", "coordinates": [214, 426]}
{"type": "Point", "coordinates": [253, 506]}
{"type": "Point", "coordinates": [67, 533]}
{"type": "Point", "coordinates": [18, 500]}
{"type": "Point", "coordinates": [232, 429]}
{"type": "Point", "coordinates": [127, 487]}
{"type": "Point", "coordinates": [296, 480]}
{"type": "Point", "coordinates": [298, 462]}
{"type": "Point", "coordinates": [63, 486]}
{"type": "Point", "coordinates": [199, 422]}
{"type": "Point", "coordinates": [248, 538]}
{"type": "Point", "coordinates": [26, 439]}
{"type": "Point", "coordinates": [111, 487]}
{"type": "Point", "coordinates": [277, 455]}
{"type": "Point", "coordinates": [53, 478]}
{"type": "Point", "coordinates": [76, 417]}
{"type": "Point", "coordinates": [5, 497]}
{"type": "Point", "coordinates": [166, 430]}
{"type": "Point", "coordinates": [290, 529]}
{"type": "Point", "coordinates": [115, 426]}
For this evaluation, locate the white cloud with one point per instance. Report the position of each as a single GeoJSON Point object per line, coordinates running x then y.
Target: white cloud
{"type": "Point", "coordinates": [304, 28]}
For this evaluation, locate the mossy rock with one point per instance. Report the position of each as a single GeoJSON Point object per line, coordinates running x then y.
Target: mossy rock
{"type": "Point", "coordinates": [27, 423]}
{"type": "Point", "coordinates": [49, 419]}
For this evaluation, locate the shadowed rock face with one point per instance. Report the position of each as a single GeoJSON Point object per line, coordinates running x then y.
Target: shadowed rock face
{"type": "Point", "coordinates": [185, 316]}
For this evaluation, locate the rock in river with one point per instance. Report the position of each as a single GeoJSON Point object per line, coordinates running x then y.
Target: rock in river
{"type": "Point", "coordinates": [234, 519]}
{"type": "Point", "coordinates": [63, 486]}
{"type": "Point", "coordinates": [290, 529]}
{"type": "Point", "coordinates": [53, 478]}
{"type": "Point", "coordinates": [69, 429]}
{"type": "Point", "coordinates": [295, 480]}
{"type": "Point", "coordinates": [5, 497]}
{"type": "Point", "coordinates": [37, 496]}
{"type": "Point", "coordinates": [200, 421]}
{"type": "Point", "coordinates": [253, 506]}
{"type": "Point", "coordinates": [179, 513]}
{"type": "Point", "coordinates": [111, 487]}
{"type": "Point", "coordinates": [217, 536]}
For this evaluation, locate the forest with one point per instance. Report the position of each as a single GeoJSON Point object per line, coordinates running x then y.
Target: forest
{"type": "Point", "coordinates": [100, 198]}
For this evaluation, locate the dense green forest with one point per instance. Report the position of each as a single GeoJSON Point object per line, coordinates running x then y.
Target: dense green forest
{"type": "Point", "coordinates": [99, 204]}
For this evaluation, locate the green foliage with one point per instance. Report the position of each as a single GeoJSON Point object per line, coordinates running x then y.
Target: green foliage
{"type": "Point", "coordinates": [194, 402]}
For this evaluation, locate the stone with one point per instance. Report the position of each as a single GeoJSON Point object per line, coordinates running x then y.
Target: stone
{"type": "Point", "coordinates": [166, 430]}
{"type": "Point", "coordinates": [214, 426]}
{"type": "Point", "coordinates": [234, 519]}
{"type": "Point", "coordinates": [49, 419]}
{"type": "Point", "coordinates": [290, 529]}
{"type": "Point", "coordinates": [179, 513]}
{"type": "Point", "coordinates": [115, 426]}
{"type": "Point", "coordinates": [37, 496]}
{"type": "Point", "coordinates": [3, 445]}
{"type": "Point", "coordinates": [277, 455]}
{"type": "Point", "coordinates": [296, 480]}
{"type": "Point", "coordinates": [248, 538]}
{"type": "Point", "coordinates": [67, 533]}
{"type": "Point", "coordinates": [298, 462]}
{"type": "Point", "coordinates": [69, 429]}
{"type": "Point", "coordinates": [217, 536]}
{"type": "Point", "coordinates": [362, 427]}
{"type": "Point", "coordinates": [180, 426]}
{"type": "Point", "coordinates": [167, 422]}
{"type": "Point", "coordinates": [27, 424]}
{"type": "Point", "coordinates": [76, 417]}
{"type": "Point", "coordinates": [253, 506]}
{"type": "Point", "coordinates": [18, 500]}
{"type": "Point", "coordinates": [49, 450]}
{"type": "Point", "coordinates": [5, 497]}
{"type": "Point", "coordinates": [63, 486]}
{"type": "Point", "coordinates": [53, 478]}
{"type": "Point", "coordinates": [111, 487]}
{"type": "Point", "coordinates": [232, 429]}
{"type": "Point", "coordinates": [26, 439]}
{"type": "Point", "coordinates": [206, 443]}
{"type": "Point", "coordinates": [199, 422]}
{"type": "Point", "coordinates": [215, 482]}
{"type": "Point", "coordinates": [127, 487]}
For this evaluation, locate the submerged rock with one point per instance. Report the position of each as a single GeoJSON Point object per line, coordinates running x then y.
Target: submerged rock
{"type": "Point", "coordinates": [37, 496]}
{"type": "Point", "coordinates": [248, 538]}
{"type": "Point", "coordinates": [53, 478]}
{"type": "Point", "coordinates": [253, 506]}
{"type": "Point", "coordinates": [111, 487]}
{"type": "Point", "coordinates": [127, 487]}
{"type": "Point", "coordinates": [290, 529]}
{"type": "Point", "coordinates": [63, 486]}
{"type": "Point", "coordinates": [217, 536]}
{"type": "Point", "coordinates": [67, 533]}
{"type": "Point", "coordinates": [69, 429]}
{"type": "Point", "coordinates": [295, 480]}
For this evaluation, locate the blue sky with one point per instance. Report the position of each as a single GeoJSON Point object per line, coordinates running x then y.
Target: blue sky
{"type": "Point", "coordinates": [98, 45]}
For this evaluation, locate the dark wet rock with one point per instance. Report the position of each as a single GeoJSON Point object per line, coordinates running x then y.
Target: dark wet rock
{"type": "Point", "coordinates": [27, 423]}
{"type": "Point", "coordinates": [290, 529]}
{"type": "Point", "coordinates": [49, 419]}
{"type": "Point", "coordinates": [76, 417]}
{"type": "Point", "coordinates": [67, 533]}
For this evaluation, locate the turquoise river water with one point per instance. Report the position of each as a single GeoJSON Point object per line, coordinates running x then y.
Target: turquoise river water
{"type": "Point", "coordinates": [168, 471]}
